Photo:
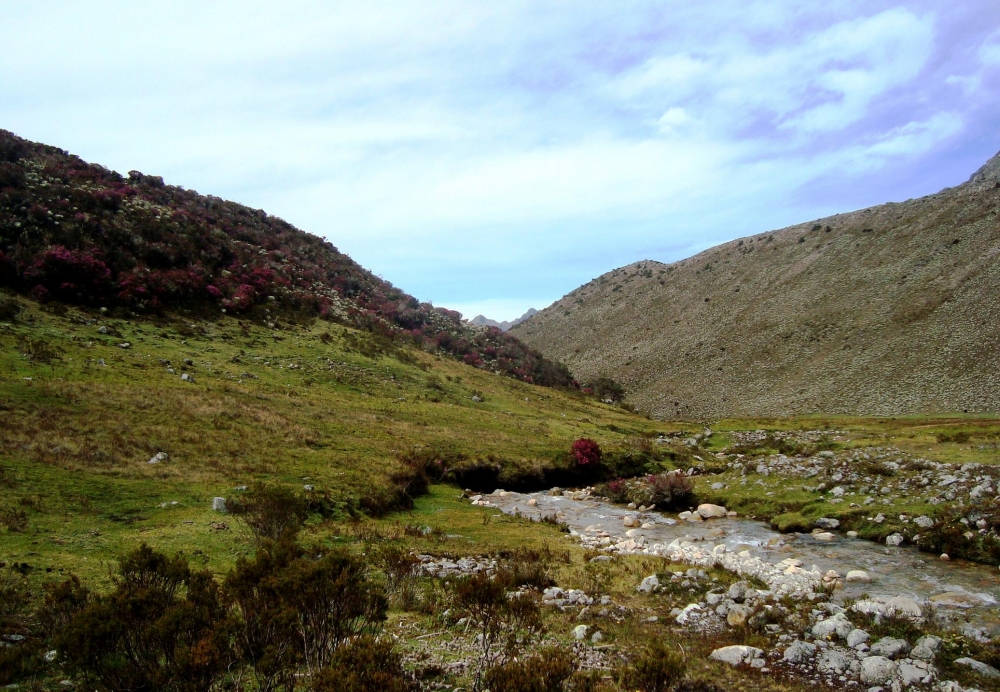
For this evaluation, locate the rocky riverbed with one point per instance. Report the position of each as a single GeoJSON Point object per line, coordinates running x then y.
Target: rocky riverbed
{"type": "Point", "coordinates": [841, 584]}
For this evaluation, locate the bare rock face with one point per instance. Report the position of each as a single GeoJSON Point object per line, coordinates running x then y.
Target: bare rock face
{"type": "Point", "coordinates": [820, 310]}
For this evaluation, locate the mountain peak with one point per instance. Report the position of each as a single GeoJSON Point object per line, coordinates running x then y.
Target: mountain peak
{"type": "Point", "coordinates": [483, 321]}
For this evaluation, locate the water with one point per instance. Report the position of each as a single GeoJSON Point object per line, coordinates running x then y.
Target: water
{"type": "Point", "coordinates": [961, 592]}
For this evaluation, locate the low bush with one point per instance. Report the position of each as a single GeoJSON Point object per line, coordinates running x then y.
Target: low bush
{"type": "Point", "coordinates": [586, 452]}
{"type": "Point", "coordinates": [656, 669]}
{"type": "Point", "coordinates": [548, 670]}
{"type": "Point", "coordinates": [270, 512]}
{"type": "Point", "coordinates": [365, 664]}
{"type": "Point", "coordinates": [145, 635]}
{"type": "Point", "coordinates": [665, 491]}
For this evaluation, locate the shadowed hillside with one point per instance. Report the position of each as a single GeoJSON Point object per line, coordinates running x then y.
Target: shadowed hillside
{"type": "Point", "coordinates": [887, 310]}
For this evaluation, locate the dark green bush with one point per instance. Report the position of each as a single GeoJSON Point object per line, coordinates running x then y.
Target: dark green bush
{"type": "Point", "coordinates": [270, 512]}
{"type": "Point", "coordinates": [365, 664]}
{"type": "Point", "coordinates": [548, 670]}
{"type": "Point", "coordinates": [145, 635]}
{"type": "Point", "coordinates": [656, 669]}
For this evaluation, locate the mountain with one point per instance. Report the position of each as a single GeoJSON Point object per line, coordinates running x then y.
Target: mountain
{"type": "Point", "coordinates": [889, 310]}
{"type": "Point", "coordinates": [79, 233]}
{"type": "Point", "coordinates": [483, 321]}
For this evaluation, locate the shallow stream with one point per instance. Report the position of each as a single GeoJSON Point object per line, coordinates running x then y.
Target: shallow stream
{"type": "Point", "coordinates": [963, 592]}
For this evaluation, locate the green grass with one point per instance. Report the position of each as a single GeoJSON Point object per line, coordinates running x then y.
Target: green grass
{"type": "Point", "coordinates": [310, 403]}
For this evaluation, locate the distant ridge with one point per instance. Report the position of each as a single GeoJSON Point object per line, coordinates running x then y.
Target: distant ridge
{"type": "Point", "coordinates": [890, 310]}
{"type": "Point", "coordinates": [482, 321]}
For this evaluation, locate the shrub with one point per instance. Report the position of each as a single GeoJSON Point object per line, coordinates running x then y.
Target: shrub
{"type": "Point", "coordinates": [546, 671]}
{"type": "Point", "coordinates": [669, 490]}
{"type": "Point", "coordinates": [399, 566]}
{"type": "Point", "coordinates": [586, 452]}
{"type": "Point", "coordinates": [607, 390]}
{"type": "Point", "coordinates": [270, 512]}
{"type": "Point", "coordinates": [9, 307]}
{"type": "Point", "coordinates": [656, 669]}
{"type": "Point", "coordinates": [366, 664]}
{"type": "Point", "coordinates": [300, 603]}
{"type": "Point", "coordinates": [19, 658]}
{"type": "Point", "coordinates": [504, 623]}
{"type": "Point", "coordinates": [144, 635]}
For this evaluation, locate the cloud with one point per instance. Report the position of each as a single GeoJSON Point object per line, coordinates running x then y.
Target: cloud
{"type": "Point", "coordinates": [512, 151]}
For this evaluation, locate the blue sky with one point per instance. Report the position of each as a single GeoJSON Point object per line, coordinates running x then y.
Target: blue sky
{"type": "Point", "coordinates": [490, 157]}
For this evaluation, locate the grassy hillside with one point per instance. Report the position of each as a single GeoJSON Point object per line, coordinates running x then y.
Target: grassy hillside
{"type": "Point", "coordinates": [307, 404]}
{"type": "Point", "coordinates": [79, 233]}
{"type": "Point", "coordinates": [885, 311]}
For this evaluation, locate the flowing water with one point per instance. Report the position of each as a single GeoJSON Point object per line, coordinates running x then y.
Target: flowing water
{"type": "Point", "coordinates": [959, 591]}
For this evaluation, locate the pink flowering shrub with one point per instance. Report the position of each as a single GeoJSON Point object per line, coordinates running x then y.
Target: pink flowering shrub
{"type": "Point", "coordinates": [586, 452]}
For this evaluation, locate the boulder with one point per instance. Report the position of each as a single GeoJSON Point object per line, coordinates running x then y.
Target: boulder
{"type": "Point", "coordinates": [825, 536]}
{"type": "Point", "coordinates": [708, 511]}
{"type": "Point", "coordinates": [911, 675]}
{"type": "Point", "coordinates": [827, 523]}
{"type": "Point", "coordinates": [894, 539]}
{"type": "Point", "coordinates": [857, 637]}
{"type": "Point", "coordinates": [800, 652]}
{"type": "Point", "coordinates": [878, 670]}
{"type": "Point", "coordinates": [833, 662]}
{"type": "Point", "coordinates": [649, 584]}
{"type": "Point", "coordinates": [890, 647]}
{"type": "Point", "coordinates": [737, 654]}
{"type": "Point", "coordinates": [926, 648]}
{"type": "Point", "coordinates": [836, 626]}
{"type": "Point", "coordinates": [984, 669]}
{"type": "Point", "coordinates": [858, 575]}
{"type": "Point", "coordinates": [904, 605]}
{"type": "Point", "coordinates": [219, 504]}
{"type": "Point", "coordinates": [738, 615]}
{"type": "Point", "coordinates": [580, 632]}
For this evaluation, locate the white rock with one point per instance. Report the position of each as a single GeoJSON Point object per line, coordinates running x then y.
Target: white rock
{"type": "Point", "coordinates": [737, 654]}
{"type": "Point", "coordinates": [857, 637]}
{"type": "Point", "coordinates": [858, 575]}
{"type": "Point", "coordinates": [878, 670]}
{"type": "Point", "coordinates": [800, 652]}
{"type": "Point", "coordinates": [838, 626]}
{"type": "Point", "coordinates": [649, 584]}
{"type": "Point", "coordinates": [894, 539]}
{"type": "Point", "coordinates": [219, 504]}
{"type": "Point", "coordinates": [983, 669]}
{"type": "Point", "coordinates": [709, 511]}
{"type": "Point", "coordinates": [158, 457]}
{"type": "Point", "coordinates": [580, 632]}
{"type": "Point", "coordinates": [890, 647]}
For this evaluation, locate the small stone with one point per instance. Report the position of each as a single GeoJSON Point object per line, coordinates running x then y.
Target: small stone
{"type": "Point", "coordinates": [824, 536]}
{"type": "Point", "coordinates": [532, 502]}
{"type": "Point", "coordinates": [185, 377]}
{"type": "Point", "coordinates": [894, 539]}
{"type": "Point", "coordinates": [158, 457]}
{"type": "Point", "coordinates": [219, 504]}
{"type": "Point", "coordinates": [580, 632]}
{"type": "Point", "coordinates": [945, 557]}
{"type": "Point", "coordinates": [852, 534]}
{"type": "Point", "coordinates": [827, 523]}
{"type": "Point", "coordinates": [308, 488]}
{"type": "Point", "coordinates": [858, 575]}
{"type": "Point", "coordinates": [596, 638]}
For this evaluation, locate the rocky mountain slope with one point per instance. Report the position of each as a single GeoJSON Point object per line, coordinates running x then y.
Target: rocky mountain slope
{"type": "Point", "coordinates": [883, 311]}
{"type": "Point", "coordinates": [79, 233]}
{"type": "Point", "coordinates": [506, 325]}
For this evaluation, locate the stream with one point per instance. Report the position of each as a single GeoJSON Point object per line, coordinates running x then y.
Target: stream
{"type": "Point", "coordinates": [963, 593]}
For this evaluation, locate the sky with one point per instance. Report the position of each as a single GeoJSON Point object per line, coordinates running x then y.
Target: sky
{"type": "Point", "coordinates": [493, 156]}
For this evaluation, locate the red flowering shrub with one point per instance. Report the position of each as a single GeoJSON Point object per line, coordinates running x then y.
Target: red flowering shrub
{"type": "Point", "coordinates": [586, 452]}
{"type": "Point", "coordinates": [73, 275]}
